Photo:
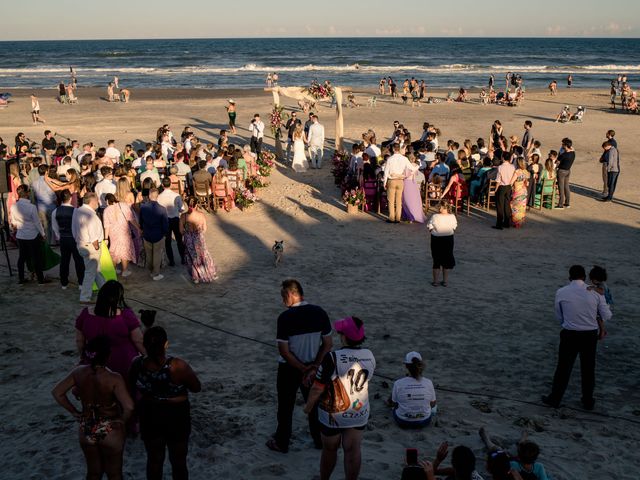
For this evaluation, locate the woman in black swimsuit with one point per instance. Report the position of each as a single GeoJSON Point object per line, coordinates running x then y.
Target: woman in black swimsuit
{"type": "Point", "coordinates": [163, 383]}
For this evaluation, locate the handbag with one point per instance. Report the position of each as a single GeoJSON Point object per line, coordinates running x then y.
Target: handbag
{"type": "Point", "coordinates": [335, 398]}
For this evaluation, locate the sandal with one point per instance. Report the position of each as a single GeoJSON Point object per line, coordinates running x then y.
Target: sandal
{"type": "Point", "coordinates": [272, 445]}
{"type": "Point", "coordinates": [434, 284]}
{"type": "Point", "coordinates": [444, 284]}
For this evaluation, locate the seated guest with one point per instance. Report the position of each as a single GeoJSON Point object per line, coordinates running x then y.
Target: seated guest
{"type": "Point", "coordinates": [456, 189]}
{"type": "Point", "coordinates": [222, 189]}
{"type": "Point", "coordinates": [440, 169]}
{"type": "Point", "coordinates": [413, 397]}
{"type": "Point", "coordinates": [564, 114]}
{"type": "Point", "coordinates": [463, 463]}
{"type": "Point", "coordinates": [475, 187]}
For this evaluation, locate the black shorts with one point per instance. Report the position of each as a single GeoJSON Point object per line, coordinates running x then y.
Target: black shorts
{"type": "Point", "coordinates": [332, 432]}
{"type": "Point", "coordinates": [163, 420]}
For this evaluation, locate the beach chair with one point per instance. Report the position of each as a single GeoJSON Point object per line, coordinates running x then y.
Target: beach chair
{"type": "Point", "coordinates": [371, 103]}
{"type": "Point", "coordinates": [491, 194]}
{"type": "Point", "coordinates": [202, 192]}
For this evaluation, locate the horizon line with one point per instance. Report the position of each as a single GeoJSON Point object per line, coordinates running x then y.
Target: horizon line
{"type": "Point", "coordinates": [285, 37]}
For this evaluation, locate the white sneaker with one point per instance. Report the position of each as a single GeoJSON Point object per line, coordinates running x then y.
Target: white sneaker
{"type": "Point", "coordinates": [64, 287]}
{"type": "Point", "coordinates": [126, 273]}
{"type": "Point", "coordinates": [158, 277]}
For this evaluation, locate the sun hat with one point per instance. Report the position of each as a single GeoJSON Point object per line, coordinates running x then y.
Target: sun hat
{"type": "Point", "coordinates": [347, 327]}
{"type": "Point", "coordinates": [231, 100]}
{"type": "Point", "coordinates": [409, 357]}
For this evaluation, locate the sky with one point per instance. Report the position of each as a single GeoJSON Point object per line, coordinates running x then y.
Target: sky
{"type": "Point", "coordinates": [90, 19]}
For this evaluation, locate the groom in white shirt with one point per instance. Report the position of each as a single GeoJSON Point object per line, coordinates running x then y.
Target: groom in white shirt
{"type": "Point", "coordinates": [315, 140]}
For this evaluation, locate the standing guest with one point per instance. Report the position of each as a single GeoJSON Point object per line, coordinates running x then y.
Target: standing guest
{"type": "Point", "coordinates": [49, 146]}
{"type": "Point", "coordinates": [112, 318]}
{"type": "Point", "coordinates": [520, 189]}
{"type": "Point", "coordinates": [315, 140]}
{"type": "Point", "coordinates": [193, 226]}
{"type": "Point", "coordinates": [413, 397]}
{"type": "Point", "coordinates": [290, 127]}
{"type": "Point", "coordinates": [88, 233]}
{"type": "Point", "coordinates": [393, 181]}
{"type": "Point", "coordinates": [343, 383]}
{"type": "Point", "coordinates": [611, 159]}
{"type": "Point", "coordinates": [605, 177]}
{"type": "Point", "coordinates": [577, 308]}
{"type": "Point", "coordinates": [61, 219]}
{"type": "Point", "coordinates": [35, 110]}
{"type": "Point", "coordinates": [412, 208]}
{"type": "Point", "coordinates": [29, 234]}
{"type": "Point", "coordinates": [231, 112]}
{"type": "Point", "coordinates": [45, 198]}
{"type": "Point", "coordinates": [106, 407]}
{"type": "Point", "coordinates": [256, 128]}
{"type": "Point", "coordinates": [503, 193]}
{"type": "Point", "coordinates": [155, 226]}
{"type": "Point", "coordinates": [121, 228]}
{"type": "Point", "coordinates": [163, 383]}
{"type": "Point", "coordinates": [172, 202]}
{"type": "Point", "coordinates": [304, 338]}
{"type": "Point", "coordinates": [565, 161]}
{"type": "Point", "coordinates": [527, 139]}
{"type": "Point", "coordinates": [442, 226]}
{"type": "Point", "coordinates": [105, 186]}
{"type": "Point", "coordinates": [308, 124]}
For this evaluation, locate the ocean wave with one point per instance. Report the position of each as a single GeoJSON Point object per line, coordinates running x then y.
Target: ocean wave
{"type": "Point", "coordinates": [352, 68]}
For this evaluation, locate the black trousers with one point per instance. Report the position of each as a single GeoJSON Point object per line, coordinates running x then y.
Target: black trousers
{"type": "Point", "coordinates": [288, 383]}
{"type": "Point", "coordinates": [572, 344]}
{"type": "Point", "coordinates": [503, 206]}
{"type": "Point", "coordinates": [256, 145]}
{"type": "Point", "coordinates": [68, 249]}
{"type": "Point", "coordinates": [612, 181]}
{"type": "Point", "coordinates": [31, 250]}
{"type": "Point", "coordinates": [174, 227]}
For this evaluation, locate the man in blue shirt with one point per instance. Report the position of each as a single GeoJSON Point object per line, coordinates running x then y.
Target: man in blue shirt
{"type": "Point", "coordinates": [155, 225]}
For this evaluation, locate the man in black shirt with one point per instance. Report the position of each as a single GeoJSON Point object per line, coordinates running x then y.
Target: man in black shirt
{"type": "Point", "coordinates": [291, 125]}
{"type": "Point", "coordinates": [565, 161]}
{"type": "Point", "coordinates": [49, 146]}
{"type": "Point", "coordinates": [304, 337]}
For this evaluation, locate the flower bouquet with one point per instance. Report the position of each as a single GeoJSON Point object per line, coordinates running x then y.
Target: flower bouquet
{"type": "Point", "coordinates": [320, 92]}
{"type": "Point", "coordinates": [255, 181]}
{"type": "Point", "coordinates": [276, 119]}
{"type": "Point", "coordinates": [245, 198]}
{"type": "Point", "coordinates": [354, 199]}
{"type": "Point", "coordinates": [265, 162]}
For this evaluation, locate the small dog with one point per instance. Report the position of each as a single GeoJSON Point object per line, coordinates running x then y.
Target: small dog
{"type": "Point", "coordinates": [278, 252]}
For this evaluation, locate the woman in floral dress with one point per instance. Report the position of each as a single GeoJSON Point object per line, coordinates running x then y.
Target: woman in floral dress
{"type": "Point", "coordinates": [519, 182]}
{"type": "Point", "coordinates": [120, 226]}
{"type": "Point", "coordinates": [193, 226]}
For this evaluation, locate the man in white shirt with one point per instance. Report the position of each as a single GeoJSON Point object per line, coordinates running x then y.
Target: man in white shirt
{"type": "Point", "coordinates": [393, 182]}
{"type": "Point", "coordinates": [112, 152]}
{"type": "Point", "coordinates": [104, 186]}
{"type": "Point", "coordinates": [87, 230]}
{"type": "Point", "coordinates": [315, 140]}
{"type": "Point", "coordinates": [172, 202]}
{"type": "Point", "coordinates": [577, 308]}
{"type": "Point", "coordinates": [29, 234]}
{"type": "Point", "coordinates": [503, 193]}
{"type": "Point", "coordinates": [257, 134]}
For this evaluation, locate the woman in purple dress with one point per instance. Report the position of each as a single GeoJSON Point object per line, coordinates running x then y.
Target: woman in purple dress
{"type": "Point", "coordinates": [193, 226]}
{"type": "Point", "coordinates": [112, 318]}
{"type": "Point", "coordinates": [411, 199]}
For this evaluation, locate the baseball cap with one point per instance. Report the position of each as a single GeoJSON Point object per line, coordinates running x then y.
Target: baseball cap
{"type": "Point", "coordinates": [231, 100]}
{"type": "Point", "coordinates": [347, 327]}
{"type": "Point", "coordinates": [409, 357]}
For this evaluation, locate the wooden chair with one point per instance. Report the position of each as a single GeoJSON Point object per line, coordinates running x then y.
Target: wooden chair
{"type": "Point", "coordinates": [235, 179]}
{"type": "Point", "coordinates": [221, 196]}
{"type": "Point", "coordinates": [491, 194]}
{"type": "Point", "coordinates": [434, 189]}
{"type": "Point", "coordinates": [202, 192]}
{"type": "Point", "coordinates": [554, 188]}
{"type": "Point", "coordinates": [459, 198]}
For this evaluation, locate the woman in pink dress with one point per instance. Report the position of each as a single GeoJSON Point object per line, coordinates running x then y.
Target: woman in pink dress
{"type": "Point", "coordinates": [412, 209]}
{"type": "Point", "coordinates": [111, 317]}
{"type": "Point", "coordinates": [120, 227]}
{"type": "Point", "coordinates": [193, 225]}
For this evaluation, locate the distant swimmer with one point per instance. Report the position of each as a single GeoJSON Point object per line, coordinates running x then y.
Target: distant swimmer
{"type": "Point", "coordinates": [356, 66]}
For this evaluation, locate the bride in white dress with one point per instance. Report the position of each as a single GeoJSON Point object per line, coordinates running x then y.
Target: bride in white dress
{"type": "Point", "coordinates": [300, 163]}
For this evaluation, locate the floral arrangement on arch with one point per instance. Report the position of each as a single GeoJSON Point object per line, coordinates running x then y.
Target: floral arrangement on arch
{"type": "Point", "coordinates": [340, 168]}
{"type": "Point", "coordinates": [320, 92]}
{"type": "Point", "coordinates": [266, 161]}
{"type": "Point", "coordinates": [354, 197]}
{"type": "Point", "coordinates": [277, 119]}
{"type": "Point", "coordinates": [244, 198]}
{"type": "Point", "coordinates": [255, 181]}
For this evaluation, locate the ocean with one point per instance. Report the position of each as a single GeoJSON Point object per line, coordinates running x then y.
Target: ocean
{"type": "Point", "coordinates": [357, 62]}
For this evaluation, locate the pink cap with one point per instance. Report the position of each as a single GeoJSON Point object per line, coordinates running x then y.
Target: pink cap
{"type": "Point", "coordinates": [349, 329]}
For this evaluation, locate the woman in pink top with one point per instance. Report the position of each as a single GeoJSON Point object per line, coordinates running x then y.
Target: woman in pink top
{"type": "Point", "coordinates": [112, 318]}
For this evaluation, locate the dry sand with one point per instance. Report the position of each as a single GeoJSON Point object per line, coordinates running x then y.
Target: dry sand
{"type": "Point", "coordinates": [492, 332]}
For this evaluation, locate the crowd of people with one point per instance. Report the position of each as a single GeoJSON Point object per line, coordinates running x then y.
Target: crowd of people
{"type": "Point", "coordinates": [129, 206]}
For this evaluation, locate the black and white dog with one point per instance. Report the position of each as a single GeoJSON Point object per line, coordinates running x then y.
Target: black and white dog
{"type": "Point", "coordinates": [278, 252]}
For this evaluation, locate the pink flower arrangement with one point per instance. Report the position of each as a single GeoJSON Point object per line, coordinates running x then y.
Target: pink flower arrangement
{"type": "Point", "coordinates": [277, 118]}
{"type": "Point", "coordinates": [354, 197]}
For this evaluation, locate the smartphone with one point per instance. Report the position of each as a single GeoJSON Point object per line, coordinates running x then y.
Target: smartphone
{"type": "Point", "coordinates": [412, 456]}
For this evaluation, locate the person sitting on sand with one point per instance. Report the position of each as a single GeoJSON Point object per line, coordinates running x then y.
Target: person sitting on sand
{"type": "Point", "coordinates": [462, 95]}
{"type": "Point", "coordinates": [463, 463]}
{"type": "Point", "coordinates": [124, 95]}
{"type": "Point", "coordinates": [564, 114]}
{"type": "Point", "coordinates": [504, 467]}
{"type": "Point", "coordinates": [483, 97]}
{"type": "Point", "coordinates": [577, 117]}
{"type": "Point", "coordinates": [413, 397]}
{"type": "Point", "coordinates": [106, 407]}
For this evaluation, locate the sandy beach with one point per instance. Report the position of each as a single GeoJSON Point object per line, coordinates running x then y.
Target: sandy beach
{"type": "Point", "coordinates": [489, 340]}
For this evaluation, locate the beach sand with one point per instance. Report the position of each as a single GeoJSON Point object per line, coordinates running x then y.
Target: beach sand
{"type": "Point", "coordinates": [492, 333]}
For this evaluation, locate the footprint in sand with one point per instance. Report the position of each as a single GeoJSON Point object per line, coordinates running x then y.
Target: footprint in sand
{"type": "Point", "coordinates": [482, 406]}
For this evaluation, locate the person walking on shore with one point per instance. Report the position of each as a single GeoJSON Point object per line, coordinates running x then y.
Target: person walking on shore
{"type": "Point", "coordinates": [503, 193]}
{"type": "Point", "coordinates": [304, 337]}
{"type": "Point", "coordinates": [577, 308]}
{"type": "Point", "coordinates": [393, 181]}
{"type": "Point", "coordinates": [565, 161]}
{"type": "Point", "coordinates": [87, 230]}
{"type": "Point", "coordinates": [257, 134]}
{"type": "Point", "coordinates": [315, 140]}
